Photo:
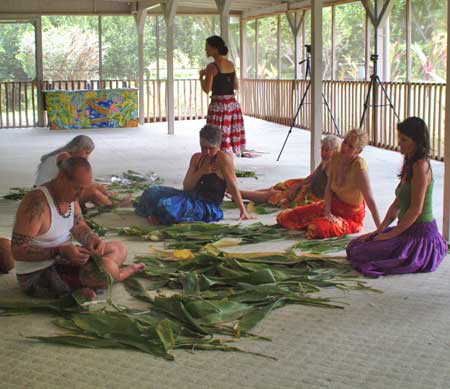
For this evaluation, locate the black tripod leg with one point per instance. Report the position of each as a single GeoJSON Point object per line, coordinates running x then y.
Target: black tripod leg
{"type": "Point", "coordinates": [387, 97]}
{"type": "Point", "coordinates": [366, 101]}
{"type": "Point", "coordinates": [293, 121]}
{"type": "Point", "coordinates": [331, 114]}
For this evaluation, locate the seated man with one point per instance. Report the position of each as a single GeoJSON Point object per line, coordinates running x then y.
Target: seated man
{"type": "Point", "coordinates": [47, 262]}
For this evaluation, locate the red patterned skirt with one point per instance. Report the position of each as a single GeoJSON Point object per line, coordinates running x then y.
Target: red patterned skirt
{"type": "Point", "coordinates": [310, 217]}
{"type": "Point", "coordinates": [225, 112]}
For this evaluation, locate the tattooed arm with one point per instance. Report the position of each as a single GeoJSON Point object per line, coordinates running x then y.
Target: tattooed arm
{"type": "Point", "coordinates": [32, 215]}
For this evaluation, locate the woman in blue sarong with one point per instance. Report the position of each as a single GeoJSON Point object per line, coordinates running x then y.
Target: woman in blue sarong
{"type": "Point", "coordinates": [209, 173]}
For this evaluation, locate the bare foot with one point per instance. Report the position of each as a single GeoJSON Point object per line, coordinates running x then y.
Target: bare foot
{"type": "Point", "coordinates": [284, 204]}
{"type": "Point", "coordinates": [6, 258]}
{"type": "Point", "coordinates": [125, 202]}
{"type": "Point", "coordinates": [153, 220]}
{"type": "Point", "coordinates": [130, 270]}
{"type": "Point", "coordinates": [138, 267]}
{"type": "Point", "coordinates": [89, 293]}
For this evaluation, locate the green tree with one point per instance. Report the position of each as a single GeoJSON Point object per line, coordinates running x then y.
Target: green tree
{"type": "Point", "coordinates": [12, 66]}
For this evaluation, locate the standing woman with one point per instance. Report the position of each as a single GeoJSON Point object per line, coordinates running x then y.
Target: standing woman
{"type": "Point", "coordinates": [414, 244]}
{"type": "Point", "coordinates": [224, 111]}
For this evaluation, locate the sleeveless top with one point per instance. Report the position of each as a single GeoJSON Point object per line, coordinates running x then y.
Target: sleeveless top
{"type": "Point", "coordinates": [403, 193]}
{"type": "Point", "coordinates": [58, 234]}
{"type": "Point", "coordinates": [319, 183]}
{"type": "Point", "coordinates": [211, 188]}
{"type": "Point", "coordinates": [346, 191]}
{"type": "Point", "coordinates": [223, 83]}
{"type": "Point", "coordinates": [47, 170]}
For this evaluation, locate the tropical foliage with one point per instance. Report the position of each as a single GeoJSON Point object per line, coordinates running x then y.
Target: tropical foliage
{"type": "Point", "coordinates": [212, 299]}
{"type": "Point", "coordinates": [71, 45]}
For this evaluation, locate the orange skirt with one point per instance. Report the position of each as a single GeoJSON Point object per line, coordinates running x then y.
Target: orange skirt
{"type": "Point", "coordinates": [311, 217]}
{"type": "Point", "coordinates": [303, 196]}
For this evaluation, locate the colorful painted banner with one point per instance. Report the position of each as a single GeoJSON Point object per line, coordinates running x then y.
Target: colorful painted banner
{"type": "Point", "coordinates": [92, 108]}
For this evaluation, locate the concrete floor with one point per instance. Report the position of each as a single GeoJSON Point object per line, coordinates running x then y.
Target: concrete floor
{"type": "Point", "coordinates": [397, 339]}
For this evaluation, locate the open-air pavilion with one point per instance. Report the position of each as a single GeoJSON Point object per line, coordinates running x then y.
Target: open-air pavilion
{"type": "Point", "coordinates": [398, 338]}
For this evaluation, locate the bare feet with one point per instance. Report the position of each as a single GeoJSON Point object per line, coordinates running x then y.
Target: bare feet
{"type": "Point", "coordinates": [125, 202]}
{"type": "Point", "coordinates": [130, 270]}
{"type": "Point", "coordinates": [153, 220]}
{"type": "Point", "coordinates": [6, 258]}
{"type": "Point", "coordinates": [89, 293]}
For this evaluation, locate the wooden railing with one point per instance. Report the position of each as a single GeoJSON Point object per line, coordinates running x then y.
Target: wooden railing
{"type": "Point", "coordinates": [18, 99]}
{"type": "Point", "coordinates": [274, 100]}
{"type": "Point", "coordinates": [18, 104]}
{"type": "Point", "coordinates": [278, 100]}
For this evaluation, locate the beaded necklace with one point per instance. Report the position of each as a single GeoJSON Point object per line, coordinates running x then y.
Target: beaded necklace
{"type": "Point", "coordinates": [58, 208]}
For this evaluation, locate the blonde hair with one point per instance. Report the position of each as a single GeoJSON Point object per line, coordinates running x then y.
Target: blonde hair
{"type": "Point", "coordinates": [361, 137]}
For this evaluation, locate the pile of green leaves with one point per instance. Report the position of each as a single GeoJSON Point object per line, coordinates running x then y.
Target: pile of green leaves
{"type": "Point", "coordinates": [246, 173]}
{"type": "Point", "coordinates": [229, 294]}
{"type": "Point", "coordinates": [216, 298]}
{"type": "Point", "coordinates": [133, 182]}
{"type": "Point", "coordinates": [209, 300]}
{"type": "Point", "coordinates": [324, 246]}
{"type": "Point", "coordinates": [259, 209]}
{"type": "Point", "coordinates": [193, 236]}
{"type": "Point", "coordinates": [16, 193]}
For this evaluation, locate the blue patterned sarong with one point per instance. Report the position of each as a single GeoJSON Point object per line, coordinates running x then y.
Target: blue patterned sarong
{"type": "Point", "coordinates": [170, 205]}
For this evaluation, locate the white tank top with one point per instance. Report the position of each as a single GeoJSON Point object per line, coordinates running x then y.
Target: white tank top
{"type": "Point", "coordinates": [58, 234]}
{"type": "Point", "coordinates": [47, 170]}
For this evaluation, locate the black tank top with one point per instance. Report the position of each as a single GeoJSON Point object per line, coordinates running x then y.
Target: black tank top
{"type": "Point", "coordinates": [223, 83]}
{"type": "Point", "coordinates": [211, 187]}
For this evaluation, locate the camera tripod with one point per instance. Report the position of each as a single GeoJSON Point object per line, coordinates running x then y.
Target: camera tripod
{"type": "Point", "coordinates": [374, 82]}
{"type": "Point", "coordinates": [302, 101]}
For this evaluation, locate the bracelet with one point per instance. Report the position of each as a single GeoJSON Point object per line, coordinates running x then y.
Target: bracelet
{"type": "Point", "coordinates": [54, 251]}
{"type": "Point", "coordinates": [85, 237]}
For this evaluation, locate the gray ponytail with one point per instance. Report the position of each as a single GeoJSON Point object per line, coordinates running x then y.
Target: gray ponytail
{"type": "Point", "coordinates": [79, 143]}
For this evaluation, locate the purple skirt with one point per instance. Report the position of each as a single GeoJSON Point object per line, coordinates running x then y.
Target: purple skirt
{"type": "Point", "coordinates": [420, 249]}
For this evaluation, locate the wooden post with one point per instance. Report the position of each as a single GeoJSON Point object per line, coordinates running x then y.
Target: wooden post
{"type": "Point", "coordinates": [333, 43]}
{"type": "Point", "coordinates": [243, 56]}
{"type": "Point", "coordinates": [386, 49]}
{"type": "Point", "coordinates": [278, 47]}
{"type": "Point", "coordinates": [39, 70]}
{"type": "Point", "coordinates": [367, 49]}
{"type": "Point", "coordinates": [408, 12]}
{"type": "Point", "coordinates": [140, 18]}
{"type": "Point", "coordinates": [295, 21]}
{"type": "Point", "coordinates": [169, 9]}
{"type": "Point", "coordinates": [446, 211]}
{"type": "Point", "coordinates": [408, 39]}
{"type": "Point", "coordinates": [100, 49]}
{"type": "Point", "coordinates": [224, 9]}
{"type": "Point", "coordinates": [256, 48]}
{"type": "Point", "coordinates": [316, 83]}
{"type": "Point", "coordinates": [158, 43]}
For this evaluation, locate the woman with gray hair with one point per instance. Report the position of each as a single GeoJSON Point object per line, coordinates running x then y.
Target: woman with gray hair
{"type": "Point", "coordinates": [299, 191]}
{"type": "Point", "coordinates": [80, 146]}
{"type": "Point", "coordinates": [210, 172]}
